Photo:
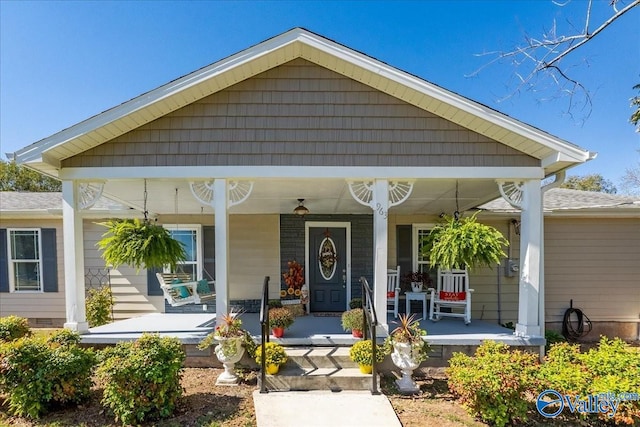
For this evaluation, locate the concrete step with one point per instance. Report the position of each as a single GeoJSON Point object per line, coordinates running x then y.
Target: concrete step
{"type": "Point", "coordinates": [320, 357]}
{"type": "Point", "coordinates": [293, 377]}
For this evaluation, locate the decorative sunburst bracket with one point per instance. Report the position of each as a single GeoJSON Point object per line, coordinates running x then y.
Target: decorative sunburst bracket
{"type": "Point", "coordinates": [511, 191]}
{"type": "Point", "coordinates": [237, 191]}
{"type": "Point", "coordinates": [89, 193]}
{"type": "Point", "coordinates": [362, 192]}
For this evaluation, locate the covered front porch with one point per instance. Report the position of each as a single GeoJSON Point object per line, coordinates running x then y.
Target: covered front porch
{"type": "Point", "coordinates": [445, 336]}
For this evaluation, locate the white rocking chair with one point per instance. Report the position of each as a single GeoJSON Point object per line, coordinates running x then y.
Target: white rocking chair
{"type": "Point", "coordinates": [393, 290]}
{"type": "Point", "coordinates": [179, 289]}
{"type": "Point", "coordinates": [452, 291]}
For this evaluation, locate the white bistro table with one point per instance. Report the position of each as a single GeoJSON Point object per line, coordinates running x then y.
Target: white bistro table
{"type": "Point", "coordinates": [417, 296]}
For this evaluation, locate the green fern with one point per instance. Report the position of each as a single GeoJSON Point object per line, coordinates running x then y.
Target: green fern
{"type": "Point", "coordinates": [464, 243]}
{"type": "Point", "coordinates": [139, 244]}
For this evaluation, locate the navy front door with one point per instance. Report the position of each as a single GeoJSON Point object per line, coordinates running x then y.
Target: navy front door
{"type": "Point", "coordinates": [327, 268]}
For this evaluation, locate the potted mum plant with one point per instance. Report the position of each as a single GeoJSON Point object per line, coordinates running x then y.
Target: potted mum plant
{"type": "Point", "coordinates": [275, 356]}
{"type": "Point", "coordinates": [409, 349]}
{"type": "Point", "coordinates": [362, 353]}
{"type": "Point", "coordinates": [279, 319]}
{"type": "Point", "coordinates": [353, 320]}
{"type": "Point", "coordinates": [232, 341]}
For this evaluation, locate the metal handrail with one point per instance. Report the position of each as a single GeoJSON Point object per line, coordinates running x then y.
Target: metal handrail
{"type": "Point", "coordinates": [370, 322]}
{"type": "Point", "coordinates": [264, 333]}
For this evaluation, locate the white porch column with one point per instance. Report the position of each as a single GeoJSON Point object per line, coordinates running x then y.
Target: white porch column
{"type": "Point", "coordinates": [531, 273]}
{"type": "Point", "coordinates": [380, 206]}
{"type": "Point", "coordinates": [221, 212]}
{"type": "Point", "coordinates": [73, 259]}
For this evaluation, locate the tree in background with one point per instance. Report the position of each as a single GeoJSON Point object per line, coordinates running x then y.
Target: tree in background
{"type": "Point", "coordinates": [540, 61]}
{"type": "Point", "coordinates": [14, 177]}
{"type": "Point", "coordinates": [592, 182]}
{"type": "Point", "coordinates": [635, 103]}
{"type": "Point", "coordinates": [631, 178]}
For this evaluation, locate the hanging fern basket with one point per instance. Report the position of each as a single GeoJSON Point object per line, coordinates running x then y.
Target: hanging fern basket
{"type": "Point", "coordinates": [139, 244]}
{"type": "Point", "coordinates": [464, 243]}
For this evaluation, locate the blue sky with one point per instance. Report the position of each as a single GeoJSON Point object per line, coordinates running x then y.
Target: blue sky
{"type": "Point", "coordinates": [62, 62]}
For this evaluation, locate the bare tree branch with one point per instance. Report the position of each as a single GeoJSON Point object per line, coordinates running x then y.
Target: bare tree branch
{"type": "Point", "coordinates": [542, 57]}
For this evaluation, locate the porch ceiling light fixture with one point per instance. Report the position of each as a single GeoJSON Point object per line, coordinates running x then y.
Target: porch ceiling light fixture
{"type": "Point", "coordinates": [301, 210]}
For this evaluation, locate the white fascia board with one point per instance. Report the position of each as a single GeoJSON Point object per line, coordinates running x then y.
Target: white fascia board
{"type": "Point", "coordinates": [314, 172]}
{"type": "Point", "coordinates": [559, 157]}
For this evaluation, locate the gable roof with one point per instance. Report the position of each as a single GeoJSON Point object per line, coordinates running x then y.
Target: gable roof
{"type": "Point", "coordinates": [564, 200]}
{"type": "Point", "coordinates": [555, 154]}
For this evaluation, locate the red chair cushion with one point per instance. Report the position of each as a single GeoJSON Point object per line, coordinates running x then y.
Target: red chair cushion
{"type": "Point", "coordinates": [453, 296]}
{"type": "Point", "coordinates": [391, 294]}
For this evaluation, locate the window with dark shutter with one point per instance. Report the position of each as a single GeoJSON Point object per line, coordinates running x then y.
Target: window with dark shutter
{"type": "Point", "coordinates": [4, 261]}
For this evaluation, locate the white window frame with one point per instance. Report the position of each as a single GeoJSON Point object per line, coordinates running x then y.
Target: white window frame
{"type": "Point", "coordinates": [12, 262]}
{"type": "Point", "coordinates": [415, 242]}
{"type": "Point", "coordinates": [199, 251]}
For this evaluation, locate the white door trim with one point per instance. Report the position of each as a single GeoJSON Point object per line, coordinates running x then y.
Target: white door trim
{"type": "Point", "coordinates": [328, 224]}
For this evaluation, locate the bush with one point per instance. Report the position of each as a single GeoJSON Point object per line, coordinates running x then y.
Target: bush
{"type": "Point", "coordinates": [99, 305]}
{"type": "Point", "coordinates": [142, 378]}
{"type": "Point", "coordinates": [353, 320]}
{"type": "Point", "coordinates": [13, 327]}
{"type": "Point", "coordinates": [37, 373]}
{"type": "Point", "coordinates": [275, 303]}
{"type": "Point", "coordinates": [355, 303]}
{"type": "Point", "coordinates": [493, 383]}
{"type": "Point", "coordinates": [612, 367]}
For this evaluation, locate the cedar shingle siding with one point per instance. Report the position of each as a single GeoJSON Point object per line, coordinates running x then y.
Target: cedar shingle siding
{"type": "Point", "coordinates": [301, 114]}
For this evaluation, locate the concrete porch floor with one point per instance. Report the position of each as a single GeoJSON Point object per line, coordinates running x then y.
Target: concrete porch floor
{"type": "Point", "coordinates": [306, 330]}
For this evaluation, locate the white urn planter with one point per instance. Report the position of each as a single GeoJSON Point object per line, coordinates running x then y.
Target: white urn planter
{"type": "Point", "coordinates": [404, 357]}
{"type": "Point", "coordinates": [229, 351]}
{"type": "Point", "coordinates": [416, 286]}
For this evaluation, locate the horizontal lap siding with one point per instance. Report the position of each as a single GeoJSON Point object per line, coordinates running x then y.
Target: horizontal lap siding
{"type": "Point", "coordinates": [41, 304]}
{"type": "Point", "coordinates": [595, 262]}
{"type": "Point", "coordinates": [484, 281]}
{"type": "Point", "coordinates": [301, 114]}
{"type": "Point", "coordinates": [254, 252]}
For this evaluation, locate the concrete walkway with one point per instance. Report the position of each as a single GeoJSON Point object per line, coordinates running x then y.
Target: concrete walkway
{"type": "Point", "coordinates": [323, 408]}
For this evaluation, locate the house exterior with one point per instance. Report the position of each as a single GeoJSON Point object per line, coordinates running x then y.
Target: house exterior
{"type": "Point", "coordinates": [587, 234]}
{"type": "Point", "coordinates": [223, 155]}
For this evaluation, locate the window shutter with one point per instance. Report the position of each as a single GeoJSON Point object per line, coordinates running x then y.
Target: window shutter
{"type": "Point", "coordinates": [153, 286]}
{"type": "Point", "coordinates": [404, 248]}
{"type": "Point", "coordinates": [49, 260]}
{"type": "Point", "coordinates": [209, 251]}
{"type": "Point", "coordinates": [4, 261]}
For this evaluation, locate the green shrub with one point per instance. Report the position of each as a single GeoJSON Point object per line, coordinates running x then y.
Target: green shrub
{"type": "Point", "coordinates": [612, 367]}
{"type": "Point", "coordinates": [38, 374]}
{"type": "Point", "coordinates": [142, 378]}
{"type": "Point", "coordinates": [13, 327]}
{"type": "Point", "coordinates": [355, 303]}
{"type": "Point", "coordinates": [275, 303]}
{"type": "Point", "coordinates": [552, 337]}
{"type": "Point", "coordinates": [99, 306]}
{"type": "Point", "coordinates": [493, 383]}
{"type": "Point", "coordinates": [563, 370]}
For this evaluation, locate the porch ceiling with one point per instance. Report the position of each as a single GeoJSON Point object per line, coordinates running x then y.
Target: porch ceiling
{"type": "Point", "coordinates": [279, 196]}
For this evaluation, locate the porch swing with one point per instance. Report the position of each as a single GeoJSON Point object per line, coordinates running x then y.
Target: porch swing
{"type": "Point", "coordinates": [179, 288]}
